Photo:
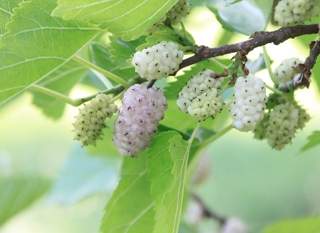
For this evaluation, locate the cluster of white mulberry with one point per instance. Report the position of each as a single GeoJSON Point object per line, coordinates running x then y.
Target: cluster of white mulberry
{"type": "Point", "coordinates": [291, 12]}
{"type": "Point", "coordinates": [202, 97]}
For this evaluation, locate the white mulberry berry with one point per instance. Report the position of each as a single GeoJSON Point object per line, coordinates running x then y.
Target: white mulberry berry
{"type": "Point", "coordinates": [158, 61]}
{"type": "Point", "coordinates": [286, 72]}
{"type": "Point", "coordinates": [234, 225]}
{"type": "Point", "coordinates": [180, 10]}
{"type": "Point", "coordinates": [90, 121]}
{"type": "Point", "coordinates": [283, 123]}
{"type": "Point", "coordinates": [201, 96]}
{"type": "Point", "coordinates": [290, 12]}
{"type": "Point", "coordinates": [142, 109]}
{"type": "Point", "coordinates": [249, 103]}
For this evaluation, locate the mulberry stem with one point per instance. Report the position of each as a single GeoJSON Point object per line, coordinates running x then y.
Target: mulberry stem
{"type": "Point", "coordinates": [268, 63]}
{"type": "Point", "coordinates": [106, 73]}
{"type": "Point", "coordinates": [54, 94]}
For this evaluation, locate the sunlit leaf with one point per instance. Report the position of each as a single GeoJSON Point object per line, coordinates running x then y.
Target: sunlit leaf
{"type": "Point", "coordinates": [6, 11]}
{"type": "Point", "coordinates": [246, 16]}
{"type": "Point", "coordinates": [36, 45]}
{"type": "Point", "coordinates": [150, 194]}
{"type": "Point", "coordinates": [127, 19]}
{"type": "Point", "coordinates": [313, 141]}
{"type": "Point", "coordinates": [62, 81]}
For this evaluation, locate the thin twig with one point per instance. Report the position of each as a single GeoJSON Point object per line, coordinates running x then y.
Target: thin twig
{"type": "Point", "coordinates": [267, 61]}
{"type": "Point", "coordinates": [99, 69]}
{"type": "Point", "coordinates": [151, 83]}
{"type": "Point", "coordinates": [257, 39]}
{"type": "Point", "coordinates": [53, 94]}
{"type": "Point", "coordinates": [207, 213]}
{"type": "Point", "coordinates": [304, 79]}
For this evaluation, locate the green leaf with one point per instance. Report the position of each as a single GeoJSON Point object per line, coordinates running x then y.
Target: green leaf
{"type": "Point", "coordinates": [127, 19]}
{"type": "Point", "coordinates": [62, 81]}
{"type": "Point", "coordinates": [306, 225]}
{"type": "Point", "coordinates": [83, 176]}
{"type": "Point", "coordinates": [36, 45]}
{"type": "Point", "coordinates": [197, 2]}
{"type": "Point", "coordinates": [150, 194]}
{"type": "Point", "coordinates": [6, 11]}
{"type": "Point", "coordinates": [122, 51]}
{"type": "Point", "coordinates": [18, 193]}
{"type": "Point", "coordinates": [313, 141]}
{"type": "Point", "coordinates": [238, 16]}
{"type": "Point", "coordinates": [168, 181]}
{"type": "Point", "coordinates": [101, 56]}
{"type": "Point", "coordinates": [131, 208]}
{"type": "Point", "coordinates": [162, 33]}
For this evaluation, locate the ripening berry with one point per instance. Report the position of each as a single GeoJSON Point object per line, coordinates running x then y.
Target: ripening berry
{"type": "Point", "coordinates": [291, 12]}
{"type": "Point", "coordinates": [304, 117]}
{"type": "Point", "coordinates": [178, 12]}
{"type": "Point", "coordinates": [282, 126]}
{"type": "Point", "coordinates": [234, 225]}
{"type": "Point", "coordinates": [158, 61]}
{"type": "Point", "coordinates": [201, 96]}
{"type": "Point", "coordinates": [249, 103]}
{"type": "Point", "coordinates": [90, 121]}
{"type": "Point", "coordinates": [260, 129]}
{"type": "Point", "coordinates": [142, 109]}
{"type": "Point", "coordinates": [286, 72]}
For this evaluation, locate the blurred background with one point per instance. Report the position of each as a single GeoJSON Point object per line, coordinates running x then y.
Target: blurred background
{"type": "Point", "coordinates": [68, 188]}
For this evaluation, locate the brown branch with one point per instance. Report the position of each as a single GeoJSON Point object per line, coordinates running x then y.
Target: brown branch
{"type": "Point", "coordinates": [306, 68]}
{"type": "Point", "coordinates": [257, 39]}
{"type": "Point", "coordinates": [206, 212]}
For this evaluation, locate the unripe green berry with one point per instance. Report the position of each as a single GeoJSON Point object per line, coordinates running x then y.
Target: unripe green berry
{"type": "Point", "coordinates": [90, 120]}
{"type": "Point", "coordinates": [260, 130]}
{"type": "Point", "coordinates": [291, 12]}
{"type": "Point", "coordinates": [284, 121]}
{"type": "Point", "coordinates": [178, 12]}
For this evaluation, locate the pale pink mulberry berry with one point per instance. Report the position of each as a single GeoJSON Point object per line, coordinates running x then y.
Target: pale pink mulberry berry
{"type": "Point", "coordinates": [142, 109]}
